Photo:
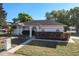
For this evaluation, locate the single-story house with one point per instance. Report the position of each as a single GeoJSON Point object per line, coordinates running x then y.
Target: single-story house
{"type": "Point", "coordinates": [39, 28]}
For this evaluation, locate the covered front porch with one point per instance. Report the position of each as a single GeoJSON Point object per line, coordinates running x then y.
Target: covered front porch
{"type": "Point", "coordinates": [31, 30]}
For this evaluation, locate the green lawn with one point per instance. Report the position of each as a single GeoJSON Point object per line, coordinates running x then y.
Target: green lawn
{"type": "Point", "coordinates": [39, 48]}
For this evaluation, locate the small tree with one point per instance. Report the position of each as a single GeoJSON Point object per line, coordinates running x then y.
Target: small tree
{"type": "Point", "coordinates": [22, 17]}
{"type": "Point", "coordinates": [10, 30]}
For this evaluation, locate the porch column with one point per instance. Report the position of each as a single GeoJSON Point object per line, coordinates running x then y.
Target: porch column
{"type": "Point", "coordinates": [37, 28]}
{"type": "Point", "coordinates": [30, 31]}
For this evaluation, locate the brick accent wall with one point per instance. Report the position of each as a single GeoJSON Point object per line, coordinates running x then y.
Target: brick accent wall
{"type": "Point", "coordinates": [51, 35]}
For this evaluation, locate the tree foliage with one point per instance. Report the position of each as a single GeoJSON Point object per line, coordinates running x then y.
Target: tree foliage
{"type": "Point", "coordinates": [75, 17]}
{"type": "Point", "coordinates": [22, 17]}
{"type": "Point", "coordinates": [3, 15]}
{"type": "Point", "coordinates": [67, 17]}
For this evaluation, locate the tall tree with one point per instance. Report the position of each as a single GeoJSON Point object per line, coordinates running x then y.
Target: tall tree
{"type": "Point", "coordinates": [61, 16]}
{"type": "Point", "coordinates": [22, 17]}
{"type": "Point", "coordinates": [3, 15]}
{"type": "Point", "coordinates": [51, 16]}
{"type": "Point", "coordinates": [75, 17]}
{"type": "Point", "coordinates": [48, 15]}
{"type": "Point", "coordinates": [15, 20]}
{"type": "Point", "coordinates": [54, 15]}
{"type": "Point", "coordinates": [67, 17]}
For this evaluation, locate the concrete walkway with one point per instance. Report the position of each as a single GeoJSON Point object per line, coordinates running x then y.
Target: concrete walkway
{"type": "Point", "coordinates": [70, 40]}
{"type": "Point", "coordinates": [74, 37]}
{"type": "Point", "coordinates": [5, 53]}
{"type": "Point", "coordinates": [18, 47]}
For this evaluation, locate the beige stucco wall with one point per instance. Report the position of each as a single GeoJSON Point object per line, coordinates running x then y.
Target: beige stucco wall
{"type": "Point", "coordinates": [18, 30]}
{"type": "Point", "coordinates": [51, 28]}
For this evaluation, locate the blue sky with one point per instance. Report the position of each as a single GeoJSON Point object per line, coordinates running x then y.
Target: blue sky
{"type": "Point", "coordinates": [36, 10]}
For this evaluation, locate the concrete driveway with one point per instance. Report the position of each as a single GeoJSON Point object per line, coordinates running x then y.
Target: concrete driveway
{"type": "Point", "coordinates": [74, 37]}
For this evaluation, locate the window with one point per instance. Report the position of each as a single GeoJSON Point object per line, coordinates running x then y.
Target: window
{"type": "Point", "coordinates": [57, 30]}
{"type": "Point", "coordinates": [43, 30]}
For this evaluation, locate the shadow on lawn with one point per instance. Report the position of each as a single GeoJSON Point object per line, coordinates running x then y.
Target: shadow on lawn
{"type": "Point", "coordinates": [1, 50]}
{"type": "Point", "coordinates": [4, 35]}
{"type": "Point", "coordinates": [19, 40]}
{"type": "Point", "coordinates": [47, 44]}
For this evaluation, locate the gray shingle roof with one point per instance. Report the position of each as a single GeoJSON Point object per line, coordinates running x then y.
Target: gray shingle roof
{"type": "Point", "coordinates": [40, 22]}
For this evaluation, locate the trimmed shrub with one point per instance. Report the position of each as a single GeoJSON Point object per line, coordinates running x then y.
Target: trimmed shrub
{"type": "Point", "coordinates": [66, 35]}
